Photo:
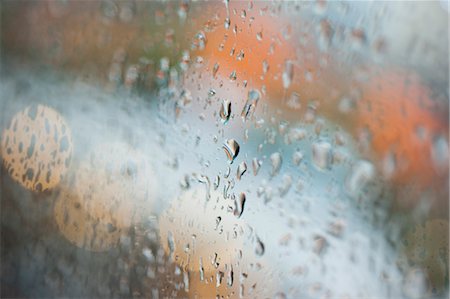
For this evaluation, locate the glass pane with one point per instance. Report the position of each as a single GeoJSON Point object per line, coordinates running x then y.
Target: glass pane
{"type": "Point", "coordinates": [229, 149]}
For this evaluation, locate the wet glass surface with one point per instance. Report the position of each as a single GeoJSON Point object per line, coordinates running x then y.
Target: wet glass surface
{"type": "Point", "coordinates": [232, 149]}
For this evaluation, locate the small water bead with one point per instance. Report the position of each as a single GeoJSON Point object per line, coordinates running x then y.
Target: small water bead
{"type": "Point", "coordinates": [297, 157]}
{"type": "Point", "coordinates": [242, 168]}
{"type": "Point", "coordinates": [233, 76]}
{"type": "Point", "coordinates": [265, 66]}
{"type": "Point", "coordinates": [321, 154]}
{"type": "Point", "coordinates": [285, 185]}
{"type": "Point", "coordinates": [440, 153]}
{"type": "Point", "coordinates": [231, 148]}
{"type": "Point", "coordinates": [276, 161]}
{"type": "Point", "coordinates": [250, 105]}
{"type": "Point", "coordinates": [215, 69]}
{"type": "Point", "coordinates": [294, 101]}
{"type": "Point", "coordinates": [288, 74]}
{"type": "Point", "coordinates": [216, 182]}
{"type": "Point", "coordinates": [256, 164]}
{"type": "Point", "coordinates": [225, 111]}
{"type": "Point", "coordinates": [360, 175]}
{"type": "Point", "coordinates": [259, 247]}
{"type": "Point", "coordinates": [227, 23]}
{"type": "Point", "coordinates": [239, 205]}
{"type": "Point", "coordinates": [240, 56]}
{"type": "Point", "coordinates": [259, 36]}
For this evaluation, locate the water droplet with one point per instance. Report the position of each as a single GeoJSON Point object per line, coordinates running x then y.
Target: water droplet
{"type": "Point", "coordinates": [259, 36]}
{"type": "Point", "coordinates": [259, 247]}
{"type": "Point", "coordinates": [336, 228]}
{"type": "Point", "coordinates": [200, 40]}
{"type": "Point", "coordinates": [186, 280]}
{"type": "Point", "coordinates": [240, 55]}
{"type": "Point", "coordinates": [265, 65]}
{"type": "Point", "coordinates": [297, 157]}
{"type": "Point", "coordinates": [227, 23]}
{"type": "Point", "coordinates": [205, 180]}
{"type": "Point", "coordinates": [279, 295]}
{"type": "Point", "coordinates": [218, 220]}
{"type": "Point", "coordinates": [250, 105]}
{"type": "Point", "coordinates": [225, 111]}
{"type": "Point", "coordinates": [294, 101]}
{"type": "Point", "coordinates": [233, 76]}
{"type": "Point", "coordinates": [239, 205]}
{"type": "Point", "coordinates": [216, 182]}
{"type": "Point", "coordinates": [320, 243]}
{"type": "Point", "coordinates": [288, 74]}
{"type": "Point", "coordinates": [201, 269]}
{"type": "Point", "coordinates": [184, 182]}
{"type": "Point", "coordinates": [439, 153]}
{"type": "Point", "coordinates": [321, 154]}
{"type": "Point", "coordinates": [285, 185]}
{"type": "Point", "coordinates": [219, 276]}
{"type": "Point", "coordinates": [215, 69]}
{"type": "Point", "coordinates": [230, 276]}
{"type": "Point", "coordinates": [242, 168]}
{"type": "Point", "coordinates": [231, 148]}
{"type": "Point", "coordinates": [256, 163]}
{"type": "Point", "coordinates": [325, 35]}
{"type": "Point", "coordinates": [227, 172]}
{"type": "Point", "coordinates": [276, 161]}
{"type": "Point", "coordinates": [360, 174]}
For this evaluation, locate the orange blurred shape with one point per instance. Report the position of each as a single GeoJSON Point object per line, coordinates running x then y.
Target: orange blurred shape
{"type": "Point", "coordinates": [405, 124]}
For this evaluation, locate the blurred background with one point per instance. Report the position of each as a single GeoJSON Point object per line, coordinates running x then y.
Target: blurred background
{"type": "Point", "coordinates": [226, 149]}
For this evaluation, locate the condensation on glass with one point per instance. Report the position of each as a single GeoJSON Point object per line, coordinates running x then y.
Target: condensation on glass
{"type": "Point", "coordinates": [229, 149]}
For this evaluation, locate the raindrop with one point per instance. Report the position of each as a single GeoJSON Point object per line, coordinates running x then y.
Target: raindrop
{"type": "Point", "coordinates": [239, 205]}
{"type": "Point", "coordinates": [242, 168]}
{"type": "Point", "coordinates": [250, 105]}
{"type": "Point", "coordinates": [259, 36]}
{"type": "Point", "coordinates": [259, 247]}
{"type": "Point", "coordinates": [186, 280]}
{"type": "Point", "coordinates": [227, 23]}
{"type": "Point", "coordinates": [360, 174]}
{"type": "Point", "coordinates": [321, 154]}
{"type": "Point", "coordinates": [276, 161]}
{"type": "Point", "coordinates": [279, 295]}
{"type": "Point", "coordinates": [297, 157]}
{"type": "Point", "coordinates": [219, 276]}
{"type": "Point", "coordinates": [215, 69]}
{"type": "Point", "coordinates": [325, 35]}
{"type": "Point", "coordinates": [233, 75]}
{"type": "Point", "coordinates": [439, 153]}
{"type": "Point", "coordinates": [218, 220]}
{"type": "Point", "coordinates": [256, 163]}
{"type": "Point", "coordinates": [265, 66]}
{"type": "Point", "coordinates": [285, 185]}
{"type": "Point", "coordinates": [336, 228]}
{"type": "Point", "coordinates": [201, 40]}
{"type": "Point", "coordinates": [205, 180]}
{"type": "Point", "coordinates": [227, 173]}
{"type": "Point", "coordinates": [216, 182]}
{"type": "Point", "coordinates": [294, 101]}
{"type": "Point", "coordinates": [211, 92]}
{"type": "Point", "coordinates": [240, 55]}
{"type": "Point", "coordinates": [230, 277]}
{"type": "Point", "coordinates": [320, 243]}
{"type": "Point", "coordinates": [231, 148]}
{"type": "Point", "coordinates": [288, 74]}
{"type": "Point", "coordinates": [225, 111]}
{"type": "Point", "coordinates": [201, 270]}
